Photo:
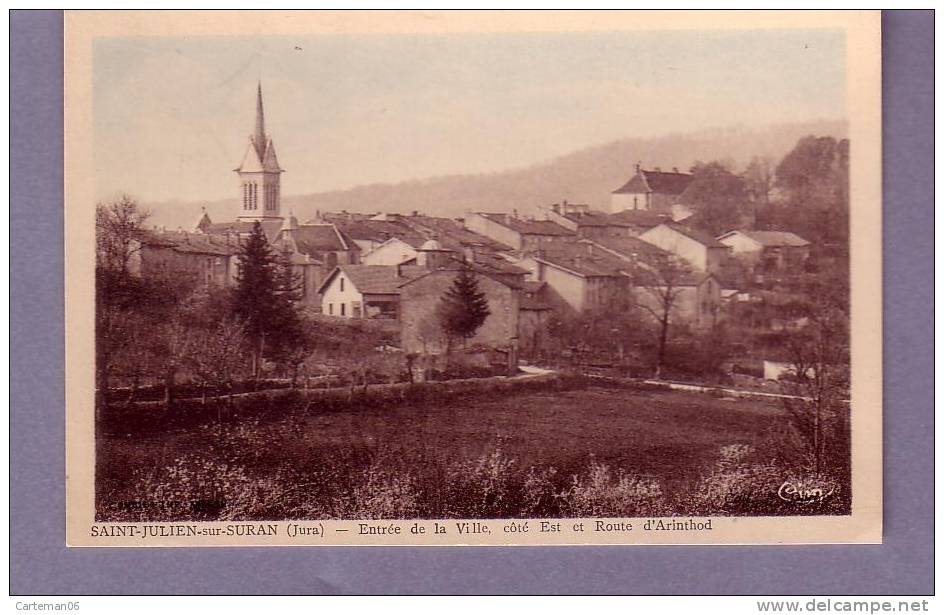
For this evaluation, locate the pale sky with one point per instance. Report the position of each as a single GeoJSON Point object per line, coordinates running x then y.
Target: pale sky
{"type": "Point", "coordinates": [172, 115]}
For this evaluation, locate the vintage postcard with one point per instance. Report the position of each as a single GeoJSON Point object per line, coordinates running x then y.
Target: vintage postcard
{"type": "Point", "coordinates": [473, 278]}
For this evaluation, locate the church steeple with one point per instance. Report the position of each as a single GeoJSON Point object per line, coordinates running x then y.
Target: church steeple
{"type": "Point", "coordinates": [259, 172]}
{"type": "Point", "coordinates": [260, 136]}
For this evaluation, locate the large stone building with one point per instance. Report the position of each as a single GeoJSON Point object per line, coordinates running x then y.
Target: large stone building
{"type": "Point", "coordinates": [656, 190]}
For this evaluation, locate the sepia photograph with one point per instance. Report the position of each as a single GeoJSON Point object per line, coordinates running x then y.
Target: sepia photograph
{"type": "Point", "coordinates": [367, 278]}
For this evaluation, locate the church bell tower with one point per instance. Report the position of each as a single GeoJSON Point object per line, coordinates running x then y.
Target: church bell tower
{"type": "Point", "coordinates": [259, 174]}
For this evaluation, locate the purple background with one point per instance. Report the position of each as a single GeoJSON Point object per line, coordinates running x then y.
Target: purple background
{"type": "Point", "coordinates": [41, 564]}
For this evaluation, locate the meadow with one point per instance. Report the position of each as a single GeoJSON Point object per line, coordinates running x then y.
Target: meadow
{"type": "Point", "coordinates": [589, 450]}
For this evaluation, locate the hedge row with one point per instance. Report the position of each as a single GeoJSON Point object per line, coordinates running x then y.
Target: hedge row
{"type": "Point", "coordinates": [273, 404]}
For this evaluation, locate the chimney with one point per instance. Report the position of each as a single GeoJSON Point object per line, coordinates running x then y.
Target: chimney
{"type": "Point", "coordinates": [515, 213]}
{"type": "Point", "coordinates": [638, 167]}
{"type": "Point", "coordinates": [414, 213]}
{"type": "Point", "coordinates": [675, 169]}
{"type": "Point", "coordinates": [658, 169]}
{"type": "Point", "coordinates": [556, 208]}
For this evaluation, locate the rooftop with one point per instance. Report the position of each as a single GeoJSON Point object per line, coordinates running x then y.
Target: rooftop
{"type": "Point", "coordinates": [700, 236]}
{"type": "Point", "coordinates": [315, 239]}
{"type": "Point", "coordinates": [381, 230]}
{"type": "Point", "coordinates": [191, 243]}
{"type": "Point", "coordinates": [584, 259]}
{"type": "Point", "coordinates": [528, 227]}
{"type": "Point", "coordinates": [660, 182]}
{"type": "Point", "coordinates": [773, 239]}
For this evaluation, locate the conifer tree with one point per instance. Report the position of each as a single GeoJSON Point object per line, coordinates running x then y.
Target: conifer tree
{"type": "Point", "coordinates": [463, 307]}
{"type": "Point", "coordinates": [256, 299]}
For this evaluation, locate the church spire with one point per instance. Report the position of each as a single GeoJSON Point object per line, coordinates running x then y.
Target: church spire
{"type": "Point", "coordinates": [259, 173]}
{"type": "Point", "coordinates": [259, 136]}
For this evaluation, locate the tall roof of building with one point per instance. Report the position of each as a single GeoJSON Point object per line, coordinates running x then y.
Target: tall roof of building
{"type": "Point", "coordinates": [450, 233]}
{"type": "Point", "coordinates": [368, 279]}
{"type": "Point", "coordinates": [640, 218]}
{"type": "Point", "coordinates": [316, 239]}
{"type": "Point", "coordinates": [376, 279]}
{"type": "Point", "coordinates": [772, 239]}
{"type": "Point", "coordinates": [270, 226]}
{"type": "Point", "coordinates": [659, 182]}
{"type": "Point", "coordinates": [584, 259]}
{"type": "Point", "coordinates": [528, 227]}
{"type": "Point", "coordinates": [191, 243]}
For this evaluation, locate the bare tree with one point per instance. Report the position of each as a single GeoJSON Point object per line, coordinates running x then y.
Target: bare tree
{"type": "Point", "coordinates": [658, 285]}
{"type": "Point", "coordinates": [118, 228]}
{"type": "Point", "coordinates": [820, 366]}
{"type": "Point", "coordinates": [216, 356]}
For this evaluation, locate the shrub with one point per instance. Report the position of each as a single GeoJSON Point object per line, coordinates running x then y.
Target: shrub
{"type": "Point", "coordinates": [480, 487]}
{"type": "Point", "coordinates": [383, 494]}
{"type": "Point", "coordinates": [202, 489]}
{"type": "Point", "coordinates": [600, 493]}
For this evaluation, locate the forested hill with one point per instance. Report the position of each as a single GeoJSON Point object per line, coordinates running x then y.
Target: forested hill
{"type": "Point", "coordinates": [584, 176]}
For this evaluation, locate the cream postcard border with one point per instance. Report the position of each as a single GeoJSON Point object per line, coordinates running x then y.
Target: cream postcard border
{"type": "Point", "coordinates": [863, 90]}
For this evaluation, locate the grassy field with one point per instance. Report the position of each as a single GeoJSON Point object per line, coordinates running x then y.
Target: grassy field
{"type": "Point", "coordinates": [598, 450]}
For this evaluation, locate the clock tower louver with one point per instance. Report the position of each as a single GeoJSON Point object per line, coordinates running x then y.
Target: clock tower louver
{"type": "Point", "coordinates": [259, 173]}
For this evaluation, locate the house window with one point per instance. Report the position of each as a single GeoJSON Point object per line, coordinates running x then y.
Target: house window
{"type": "Point", "coordinates": [342, 285]}
{"type": "Point", "coordinates": [331, 309]}
{"type": "Point", "coordinates": [342, 308]}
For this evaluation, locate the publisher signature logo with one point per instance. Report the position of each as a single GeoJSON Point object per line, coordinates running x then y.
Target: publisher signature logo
{"type": "Point", "coordinates": [803, 492]}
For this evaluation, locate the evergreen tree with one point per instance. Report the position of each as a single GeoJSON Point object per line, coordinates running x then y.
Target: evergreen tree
{"type": "Point", "coordinates": [463, 307]}
{"type": "Point", "coordinates": [289, 343]}
{"type": "Point", "coordinates": [256, 297]}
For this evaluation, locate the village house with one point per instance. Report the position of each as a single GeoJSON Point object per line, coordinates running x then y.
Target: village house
{"type": "Point", "coordinates": [420, 329]}
{"type": "Point", "coordinates": [768, 251]}
{"type": "Point", "coordinates": [700, 250]}
{"type": "Point", "coordinates": [654, 190]}
{"type": "Point", "coordinates": [362, 291]}
{"type": "Point", "coordinates": [517, 233]}
{"type": "Point", "coordinates": [696, 296]}
{"type": "Point", "coordinates": [579, 276]}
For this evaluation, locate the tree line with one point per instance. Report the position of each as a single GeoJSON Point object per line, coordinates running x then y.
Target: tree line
{"type": "Point", "coordinates": [806, 192]}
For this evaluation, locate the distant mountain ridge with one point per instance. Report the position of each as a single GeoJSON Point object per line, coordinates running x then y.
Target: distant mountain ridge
{"type": "Point", "coordinates": [587, 175]}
